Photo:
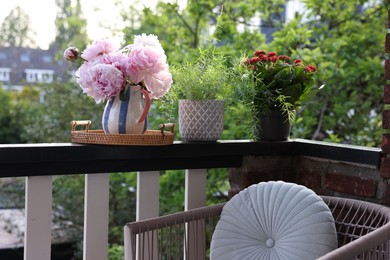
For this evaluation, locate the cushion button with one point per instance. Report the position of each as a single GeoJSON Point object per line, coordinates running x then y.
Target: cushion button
{"type": "Point", "coordinates": [270, 242]}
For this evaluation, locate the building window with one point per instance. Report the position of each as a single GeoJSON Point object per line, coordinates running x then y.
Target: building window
{"type": "Point", "coordinates": [294, 7]}
{"type": "Point", "coordinates": [47, 59]}
{"type": "Point", "coordinates": [5, 74]}
{"type": "Point", "coordinates": [3, 56]}
{"type": "Point", "coordinates": [39, 76]}
{"type": "Point", "coordinates": [24, 57]}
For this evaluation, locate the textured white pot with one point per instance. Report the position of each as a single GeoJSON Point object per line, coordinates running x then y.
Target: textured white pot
{"type": "Point", "coordinates": [201, 120]}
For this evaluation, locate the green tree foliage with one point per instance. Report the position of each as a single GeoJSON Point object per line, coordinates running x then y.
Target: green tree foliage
{"type": "Point", "coordinates": [345, 40]}
{"type": "Point", "coordinates": [15, 110]}
{"type": "Point", "coordinates": [71, 27]}
{"type": "Point", "coordinates": [181, 31]}
{"type": "Point", "coordinates": [12, 192]}
{"type": "Point", "coordinates": [122, 204]}
{"type": "Point", "coordinates": [62, 103]}
{"type": "Point", "coordinates": [16, 30]}
{"type": "Point", "coordinates": [7, 135]}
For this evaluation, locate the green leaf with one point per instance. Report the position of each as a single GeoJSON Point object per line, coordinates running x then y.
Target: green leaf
{"type": "Point", "coordinates": [293, 93]}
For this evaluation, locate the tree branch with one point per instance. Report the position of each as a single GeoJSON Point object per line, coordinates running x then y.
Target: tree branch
{"type": "Point", "coordinates": [182, 19]}
{"type": "Point", "coordinates": [317, 132]}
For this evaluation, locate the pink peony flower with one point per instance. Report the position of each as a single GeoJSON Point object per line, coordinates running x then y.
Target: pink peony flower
{"type": "Point", "coordinates": [147, 41]}
{"type": "Point", "coordinates": [100, 81]}
{"type": "Point", "coordinates": [97, 48]}
{"type": "Point", "coordinates": [119, 60]}
{"type": "Point", "coordinates": [159, 84]}
{"type": "Point", "coordinates": [145, 63]}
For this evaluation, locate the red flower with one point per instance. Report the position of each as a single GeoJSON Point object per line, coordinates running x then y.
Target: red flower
{"type": "Point", "coordinates": [264, 58]}
{"type": "Point", "coordinates": [274, 59]}
{"type": "Point", "coordinates": [259, 52]}
{"type": "Point", "coordinates": [247, 61]}
{"type": "Point", "coordinates": [297, 62]}
{"type": "Point", "coordinates": [284, 58]}
{"type": "Point", "coordinates": [271, 54]}
{"type": "Point", "coordinates": [311, 68]}
{"type": "Point", "coordinates": [255, 60]}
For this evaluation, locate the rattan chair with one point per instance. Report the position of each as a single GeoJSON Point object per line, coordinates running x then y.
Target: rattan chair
{"type": "Point", "coordinates": [363, 230]}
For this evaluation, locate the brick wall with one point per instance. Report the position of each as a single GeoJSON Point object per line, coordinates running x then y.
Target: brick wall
{"type": "Point", "coordinates": [256, 169]}
{"type": "Point", "coordinates": [325, 177]}
{"type": "Point", "coordinates": [342, 179]}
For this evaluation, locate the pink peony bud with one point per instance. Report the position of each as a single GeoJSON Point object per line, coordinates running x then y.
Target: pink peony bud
{"type": "Point", "coordinates": [71, 54]}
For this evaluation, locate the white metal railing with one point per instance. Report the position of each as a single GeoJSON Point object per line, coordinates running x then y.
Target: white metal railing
{"type": "Point", "coordinates": [37, 240]}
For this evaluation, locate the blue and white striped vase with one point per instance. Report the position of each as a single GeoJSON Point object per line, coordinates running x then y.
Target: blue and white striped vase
{"type": "Point", "coordinates": [126, 113]}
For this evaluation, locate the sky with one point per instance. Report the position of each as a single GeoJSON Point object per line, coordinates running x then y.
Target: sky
{"type": "Point", "coordinates": [43, 12]}
{"type": "Point", "coordinates": [99, 15]}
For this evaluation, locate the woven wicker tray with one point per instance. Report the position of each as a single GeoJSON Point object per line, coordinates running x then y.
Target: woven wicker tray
{"type": "Point", "coordinates": [150, 137]}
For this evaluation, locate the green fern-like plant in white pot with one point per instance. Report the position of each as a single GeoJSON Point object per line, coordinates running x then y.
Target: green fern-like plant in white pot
{"type": "Point", "coordinates": [202, 88]}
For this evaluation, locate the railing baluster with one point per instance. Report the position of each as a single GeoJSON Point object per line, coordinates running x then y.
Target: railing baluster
{"type": "Point", "coordinates": [195, 197]}
{"type": "Point", "coordinates": [96, 209]}
{"type": "Point", "coordinates": [195, 188]}
{"type": "Point", "coordinates": [148, 194]}
{"type": "Point", "coordinates": [38, 205]}
{"type": "Point", "coordinates": [148, 206]}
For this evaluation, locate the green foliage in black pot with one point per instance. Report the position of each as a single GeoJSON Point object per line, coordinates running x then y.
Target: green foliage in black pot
{"type": "Point", "coordinates": [274, 83]}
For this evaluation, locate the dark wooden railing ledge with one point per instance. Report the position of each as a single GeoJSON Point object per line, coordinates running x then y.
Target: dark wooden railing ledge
{"type": "Point", "coordinates": [69, 158]}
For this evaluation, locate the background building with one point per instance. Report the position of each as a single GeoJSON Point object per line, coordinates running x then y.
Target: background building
{"type": "Point", "coordinates": [20, 67]}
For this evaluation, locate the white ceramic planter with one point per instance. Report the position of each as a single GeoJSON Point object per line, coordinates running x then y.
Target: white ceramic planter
{"type": "Point", "coordinates": [201, 120]}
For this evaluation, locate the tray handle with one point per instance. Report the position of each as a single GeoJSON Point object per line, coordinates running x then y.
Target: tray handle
{"type": "Point", "coordinates": [167, 125]}
{"type": "Point", "coordinates": [75, 123]}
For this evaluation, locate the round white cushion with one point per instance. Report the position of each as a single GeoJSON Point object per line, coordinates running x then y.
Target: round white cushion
{"type": "Point", "coordinates": [274, 220]}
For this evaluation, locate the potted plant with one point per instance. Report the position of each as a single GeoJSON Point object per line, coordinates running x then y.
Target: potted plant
{"type": "Point", "coordinates": [276, 89]}
{"type": "Point", "coordinates": [201, 88]}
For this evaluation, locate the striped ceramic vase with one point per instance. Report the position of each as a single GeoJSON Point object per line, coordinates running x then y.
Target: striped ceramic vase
{"type": "Point", "coordinates": [126, 113]}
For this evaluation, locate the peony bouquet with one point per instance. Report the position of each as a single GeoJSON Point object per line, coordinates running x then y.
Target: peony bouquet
{"type": "Point", "coordinates": [107, 69]}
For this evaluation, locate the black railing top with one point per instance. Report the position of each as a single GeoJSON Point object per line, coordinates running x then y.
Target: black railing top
{"type": "Point", "coordinates": [68, 158]}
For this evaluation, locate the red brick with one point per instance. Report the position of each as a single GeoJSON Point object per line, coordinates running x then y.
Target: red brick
{"type": "Point", "coordinates": [386, 119]}
{"type": "Point", "coordinates": [387, 44]}
{"type": "Point", "coordinates": [385, 143]}
{"type": "Point", "coordinates": [386, 196]}
{"type": "Point", "coordinates": [386, 94]}
{"type": "Point", "coordinates": [385, 168]}
{"type": "Point", "coordinates": [350, 184]}
{"type": "Point", "coordinates": [387, 69]}
{"type": "Point", "coordinates": [310, 180]}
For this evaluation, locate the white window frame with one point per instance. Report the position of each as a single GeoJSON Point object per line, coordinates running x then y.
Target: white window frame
{"type": "Point", "coordinates": [5, 74]}
{"type": "Point", "coordinates": [39, 76]}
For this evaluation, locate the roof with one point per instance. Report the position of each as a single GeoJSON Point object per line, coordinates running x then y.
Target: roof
{"type": "Point", "coordinates": [12, 225]}
{"type": "Point", "coordinates": [19, 59]}
{"type": "Point", "coordinates": [11, 228]}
